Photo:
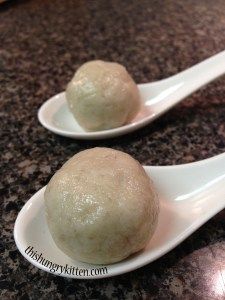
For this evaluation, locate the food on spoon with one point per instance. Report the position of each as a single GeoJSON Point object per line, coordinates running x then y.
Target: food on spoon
{"type": "Point", "coordinates": [101, 206]}
{"type": "Point", "coordinates": [102, 95]}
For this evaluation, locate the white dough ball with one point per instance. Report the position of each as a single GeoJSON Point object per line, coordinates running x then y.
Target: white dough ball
{"type": "Point", "coordinates": [101, 206]}
{"type": "Point", "coordinates": [102, 95]}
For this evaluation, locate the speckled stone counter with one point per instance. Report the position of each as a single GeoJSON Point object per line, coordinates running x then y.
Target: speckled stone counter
{"type": "Point", "coordinates": [41, 44]}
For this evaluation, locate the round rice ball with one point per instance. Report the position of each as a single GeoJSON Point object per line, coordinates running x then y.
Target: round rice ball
{"type": "Point", "coordinates": [101, 206]}
{"type": "Point", "coordinates": [102, 95]}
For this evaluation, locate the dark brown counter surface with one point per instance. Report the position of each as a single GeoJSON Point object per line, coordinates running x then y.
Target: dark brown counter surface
{"type": "Point", "coordinates": [41, 44]}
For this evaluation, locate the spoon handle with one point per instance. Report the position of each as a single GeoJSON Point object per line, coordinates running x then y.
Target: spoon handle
{"type": "Point", "coordinates": [164, 94]}
{"type": "Point", "coordinates": [201, 74]}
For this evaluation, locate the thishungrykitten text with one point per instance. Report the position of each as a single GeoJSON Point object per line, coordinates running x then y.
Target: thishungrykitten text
{"type": "Point", "coordinates": [65, 270]}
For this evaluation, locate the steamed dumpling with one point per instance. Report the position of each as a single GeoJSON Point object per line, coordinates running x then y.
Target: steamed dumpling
{"type": "Point", "coordinates": [101, 206]}
{"type": "Point", "coordinates": [102, 95]}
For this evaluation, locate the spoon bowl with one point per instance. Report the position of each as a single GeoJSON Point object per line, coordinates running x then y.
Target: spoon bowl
{"type": "Point", "coordinates": [189, 194]}
{"type": "Point", "coordinates": [157, 97]}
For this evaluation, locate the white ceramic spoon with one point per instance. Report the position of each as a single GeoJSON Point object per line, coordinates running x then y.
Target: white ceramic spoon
{"type": "Point", "coordinates": [189, 195]}
{"type": "Point", "coordinates": [158, 97]}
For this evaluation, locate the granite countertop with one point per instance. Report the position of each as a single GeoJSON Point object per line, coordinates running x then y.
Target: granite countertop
{"type": "Point", "coordinates": [42, 43]}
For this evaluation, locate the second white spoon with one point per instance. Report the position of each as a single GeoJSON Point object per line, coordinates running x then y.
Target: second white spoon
{"type": "Point", "coordinates": [158, 97]}
{"type": "Point", "coordinates": [189, 196]}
